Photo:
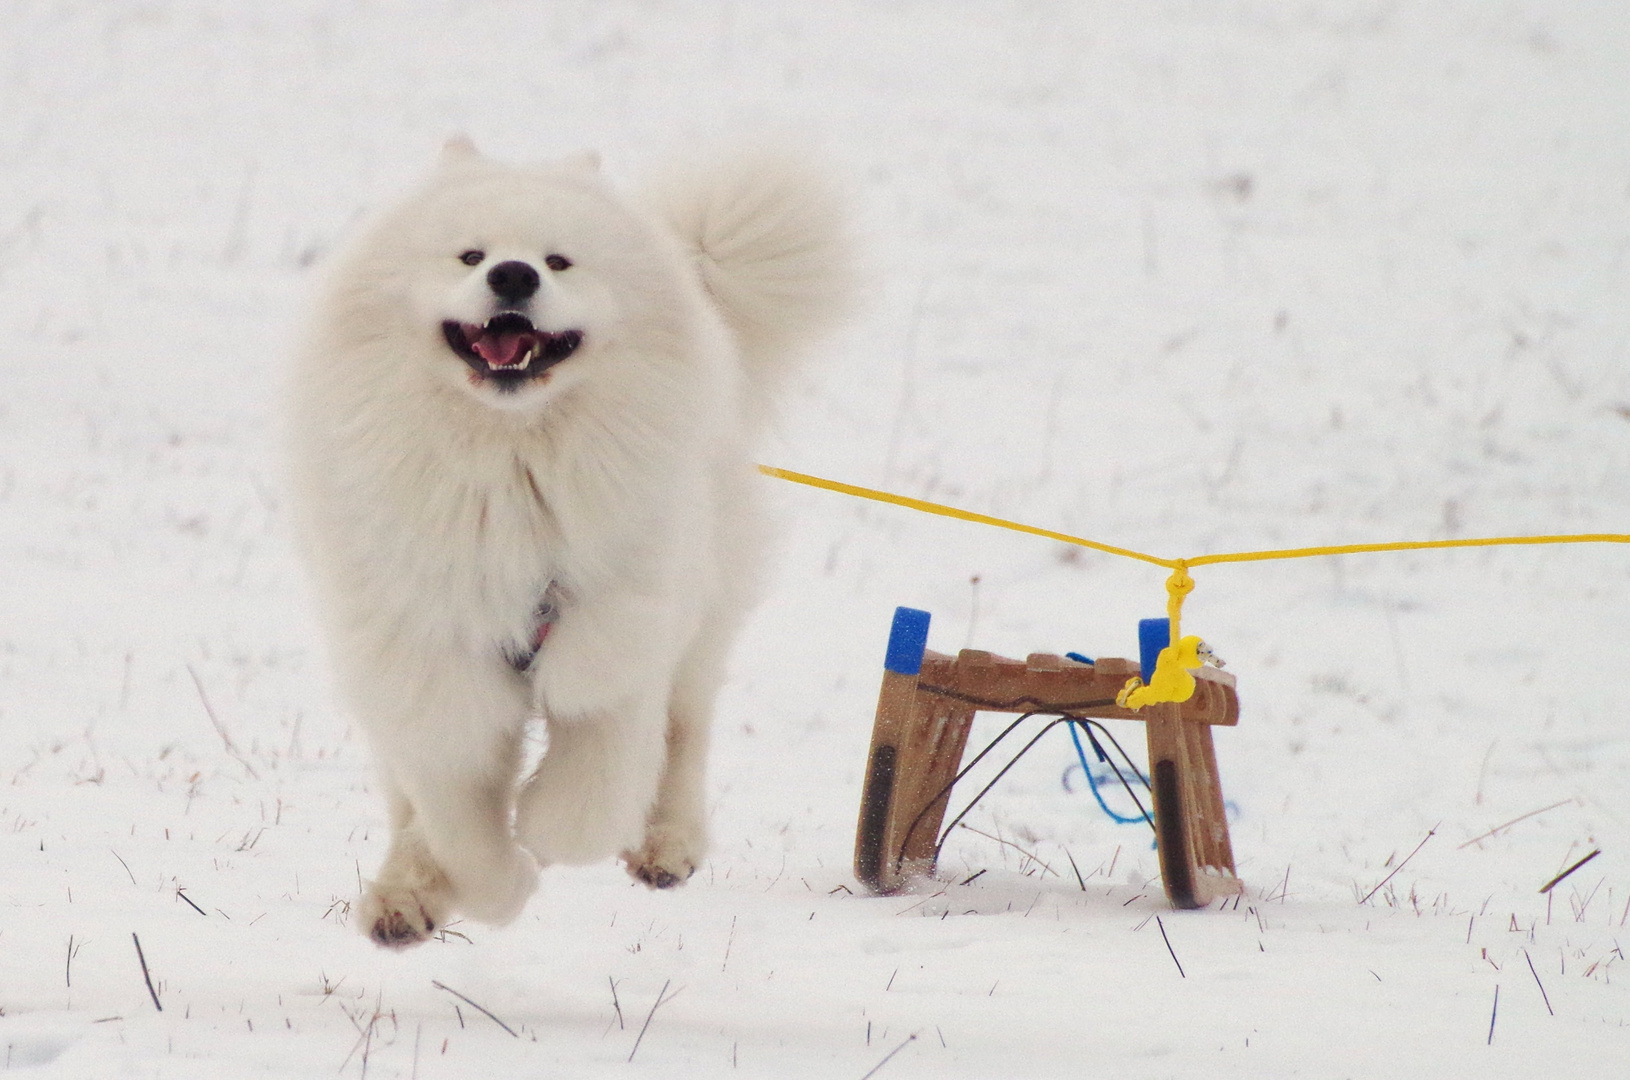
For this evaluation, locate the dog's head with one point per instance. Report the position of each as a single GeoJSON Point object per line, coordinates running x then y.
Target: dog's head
{"type": "Point", "coordinates": [520, 281]}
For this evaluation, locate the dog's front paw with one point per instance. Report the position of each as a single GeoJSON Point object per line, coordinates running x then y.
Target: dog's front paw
{"type": "Point", "coordinates": [399, 916]}
{"type": "Point", "coordinates": [665, 860]}
{"type": "Point", "coordinates": [654, 874]}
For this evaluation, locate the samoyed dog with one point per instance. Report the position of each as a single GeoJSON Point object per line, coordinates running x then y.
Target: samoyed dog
{"type": "Point", "coordinates": [520, 435]}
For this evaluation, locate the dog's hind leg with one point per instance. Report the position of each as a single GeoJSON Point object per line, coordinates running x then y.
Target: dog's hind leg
{"type": "Point", "coordinates": [675, 837]}
{"type": "Point", "coordinates": [448, 759]}
{"type": "Point", "coordinates": [589, 797]}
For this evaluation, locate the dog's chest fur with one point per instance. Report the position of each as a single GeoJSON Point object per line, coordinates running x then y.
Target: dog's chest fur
{"type": "Point", "coordinates": [451, 534]}
{"type": "Point", "coordinates": [458, 530]}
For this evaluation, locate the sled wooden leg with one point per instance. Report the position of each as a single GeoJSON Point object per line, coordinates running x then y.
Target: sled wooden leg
{"type": "Point", "coordinates": [1212, 847]}
{"type": "Point", "coordinates": [1166, 775]}
{"type": "Point", "coordinates": [1196, 856]}
{"type": "Point", "coordinates": [907, 790]}
{"type": "Point", "coordinates": [917, 744]}
{"type": "Point", "coordinates": [930, 755]}
{"type": "Point", "coordinates": [916, 748]}
{"type": "Point", "coordinates": [894, 707]}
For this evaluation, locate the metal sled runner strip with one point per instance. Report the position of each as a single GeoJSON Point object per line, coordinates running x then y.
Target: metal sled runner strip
{"type": "Point", "coordinates": [941, 510]}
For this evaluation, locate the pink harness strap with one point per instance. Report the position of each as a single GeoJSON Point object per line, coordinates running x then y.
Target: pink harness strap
{"type": "Point", "coordinates": [545, 615]}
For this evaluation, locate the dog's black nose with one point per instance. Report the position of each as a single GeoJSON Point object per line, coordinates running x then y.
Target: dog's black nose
{"type": "Point", "coordinates": [512, 281]}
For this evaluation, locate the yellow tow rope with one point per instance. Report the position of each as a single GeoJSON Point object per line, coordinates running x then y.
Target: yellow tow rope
{"type": "Point", "coordinates": [1171, 681]}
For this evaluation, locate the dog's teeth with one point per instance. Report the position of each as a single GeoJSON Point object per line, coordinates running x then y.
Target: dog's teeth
{"type": "Point", "coordinates": [520, 365]}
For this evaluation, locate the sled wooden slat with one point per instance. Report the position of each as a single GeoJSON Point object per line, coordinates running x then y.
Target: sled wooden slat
{"type": "Point", "coordinates": [1034, 683]}
{"type": "Point", "coordinates": [924, 714]}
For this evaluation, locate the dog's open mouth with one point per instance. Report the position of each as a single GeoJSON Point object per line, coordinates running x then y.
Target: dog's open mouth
{"type": "Point", "coordinates": [509, 349]}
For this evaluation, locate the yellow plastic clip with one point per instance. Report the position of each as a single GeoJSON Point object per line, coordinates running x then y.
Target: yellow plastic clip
{"type": "Point", "coordinates": [1170, 681]}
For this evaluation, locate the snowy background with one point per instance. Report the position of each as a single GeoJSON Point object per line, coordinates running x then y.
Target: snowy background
{"type": "Point", "coordinates": [1181, 276]}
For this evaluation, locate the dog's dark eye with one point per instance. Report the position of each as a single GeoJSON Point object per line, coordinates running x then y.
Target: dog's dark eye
{"type": "Point", "coordinates": [472, 257]}
{"type": "Point", "coordinates": [557, 262]}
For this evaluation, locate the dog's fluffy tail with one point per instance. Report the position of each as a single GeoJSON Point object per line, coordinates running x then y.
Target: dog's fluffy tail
{"type": "Point", "coordinates": [770, 239]}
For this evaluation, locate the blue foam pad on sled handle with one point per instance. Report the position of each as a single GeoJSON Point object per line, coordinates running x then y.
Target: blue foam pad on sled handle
{"type": "Point", "coordinates": [1153, 635]}
{"type": "Point", "coordinates": [908, 638]}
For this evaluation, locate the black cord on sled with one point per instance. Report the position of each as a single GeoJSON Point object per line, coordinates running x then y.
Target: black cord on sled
{"type": "Point", "coordinates": [1064, 715]}
{"type": "Point", "coordinates": [1087, 724]}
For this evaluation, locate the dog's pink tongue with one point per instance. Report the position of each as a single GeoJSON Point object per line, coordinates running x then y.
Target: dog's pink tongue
{"type": "Point", "coordinates": [501, 350]}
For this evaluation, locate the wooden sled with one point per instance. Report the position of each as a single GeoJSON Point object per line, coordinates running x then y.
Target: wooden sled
{"type": "Point", "coordinates": [926, 707]}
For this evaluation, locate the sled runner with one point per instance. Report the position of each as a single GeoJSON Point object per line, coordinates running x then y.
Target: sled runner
{"type": "Point", "coordinates": [926, 707]}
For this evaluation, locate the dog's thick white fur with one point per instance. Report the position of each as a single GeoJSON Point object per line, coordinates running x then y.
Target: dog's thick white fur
{"type": "Point", "coordinates": [526, 400]}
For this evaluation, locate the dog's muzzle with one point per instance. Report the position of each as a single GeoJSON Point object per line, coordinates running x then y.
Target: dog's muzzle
{"type": "Point", "coordinates": [509, 349]}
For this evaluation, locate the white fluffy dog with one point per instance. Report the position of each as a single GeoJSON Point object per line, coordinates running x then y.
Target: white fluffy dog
{"type": "Point", "coordinates": [520, 433]}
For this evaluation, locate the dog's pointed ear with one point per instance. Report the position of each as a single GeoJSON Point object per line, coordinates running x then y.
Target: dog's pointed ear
{"type": "Point", "coordinates": [587, 161]}
{"type": "Point", "coordinates": [459, 149]}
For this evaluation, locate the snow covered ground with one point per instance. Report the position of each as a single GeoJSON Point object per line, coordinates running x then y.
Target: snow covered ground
{"type": "Point", "coordinates": [1182, 276]}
